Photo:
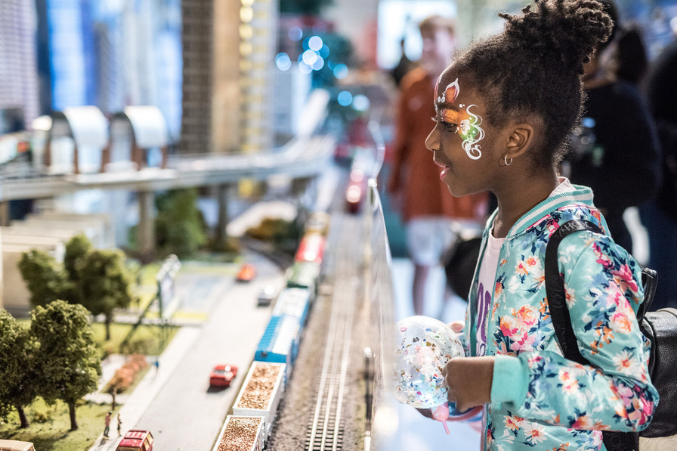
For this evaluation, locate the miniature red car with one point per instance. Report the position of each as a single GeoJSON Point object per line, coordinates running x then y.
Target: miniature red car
{"type": "Point", "coordinates": [136, 440]}
{"type": "Point", "coordinates": [222, 375]}
{"type": "Point", "coordinates": [247, 273]}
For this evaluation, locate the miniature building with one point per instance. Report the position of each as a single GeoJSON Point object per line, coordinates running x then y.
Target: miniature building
{"type": "Point", "coordinates": [77, 137]}
{"type": "Point", "coordinates": [197, 44]}
{"type": "Point", "coordinates": [15, 295]}
{"type": "Point", "coordinates": [258, 32]}
{"type": "Point", "coordinates": [134, 134]}
{"type": "Point", "coordinates": [103, 232]}
{"type": "Point", "coordinates": [228, 54]}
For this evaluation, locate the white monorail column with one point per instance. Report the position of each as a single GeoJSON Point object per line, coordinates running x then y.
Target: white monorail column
{"type": "Point", "coordinates": [223, 193]}
{"type": "Point", "coordinates": [146, 228]}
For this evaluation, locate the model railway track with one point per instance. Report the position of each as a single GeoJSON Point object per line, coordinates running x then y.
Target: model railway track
{"type": "Point", "coordinates": [325, 428]}
{"type": "Point", "coordinates": [267, 250]}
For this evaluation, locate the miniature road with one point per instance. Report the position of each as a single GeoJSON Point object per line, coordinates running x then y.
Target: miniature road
{"type": "Point", "coordinates": [185, 414]}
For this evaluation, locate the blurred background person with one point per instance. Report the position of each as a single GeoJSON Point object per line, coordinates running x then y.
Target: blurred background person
{"type": "Point", "coordinates": [404, 65]}
{"type": "Point", "coordinates": [427, 205]}
{"type": "Point", "coordinates": [660, 215]}
{"type": "Point", "coordinates": [616, 152]}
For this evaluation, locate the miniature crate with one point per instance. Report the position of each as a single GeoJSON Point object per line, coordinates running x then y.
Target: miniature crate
{"type": "Point", "coordinates": [270, 411]}
{"type": "Point", "coordinates": [260, 436]}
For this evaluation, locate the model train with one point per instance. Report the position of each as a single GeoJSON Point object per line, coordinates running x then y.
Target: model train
{"type": "Point", "coordinates": [282, 336]}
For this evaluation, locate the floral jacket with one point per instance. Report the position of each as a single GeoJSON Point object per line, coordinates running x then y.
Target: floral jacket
{"type": "Point", "coordinates": [539, 399]}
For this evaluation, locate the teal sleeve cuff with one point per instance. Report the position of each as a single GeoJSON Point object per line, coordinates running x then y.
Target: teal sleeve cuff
{"type": "Point", "coordinates": [511, 380]}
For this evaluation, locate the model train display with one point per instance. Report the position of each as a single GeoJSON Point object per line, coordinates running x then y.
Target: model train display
{"type": "Point", "coordinates": [279, 345]}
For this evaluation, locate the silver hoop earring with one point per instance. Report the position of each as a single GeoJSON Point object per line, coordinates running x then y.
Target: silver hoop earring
{"type": "Point", "coordinates": [505, 158]}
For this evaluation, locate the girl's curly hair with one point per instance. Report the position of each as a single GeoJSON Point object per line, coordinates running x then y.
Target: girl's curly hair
{"type": "Point", "coordinates": [532, 69]}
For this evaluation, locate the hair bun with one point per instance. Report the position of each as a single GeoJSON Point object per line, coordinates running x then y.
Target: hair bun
{"type": "Point", "coordinates": [564, 30]}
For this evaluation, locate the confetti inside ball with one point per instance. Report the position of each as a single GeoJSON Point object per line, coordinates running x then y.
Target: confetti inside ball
{"type": "Point", "coordinates": [424, 346]}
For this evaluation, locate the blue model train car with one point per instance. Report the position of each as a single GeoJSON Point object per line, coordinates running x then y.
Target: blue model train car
{"type": "Point", "coordinates": [280, 341]}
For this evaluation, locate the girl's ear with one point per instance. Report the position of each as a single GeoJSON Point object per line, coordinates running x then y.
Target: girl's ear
{"type": "Point", "coordinates": [521, 139]}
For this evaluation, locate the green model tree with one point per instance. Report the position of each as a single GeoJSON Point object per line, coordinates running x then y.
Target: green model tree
{"type": "Point", "coordinates": [77, 250]}
{"type": "Point", "coordinates": [94, 278]}
{"type": "Point", "coordinates": [45, 278]}
{"type": "Point", "coordinates": [103, 284]}
{"type": "Point", "coordinates": [179, 226]}
{"type": "Point", "coordinates": [17, 372]}
{"type": "Point", "coordinates": [69, 360]}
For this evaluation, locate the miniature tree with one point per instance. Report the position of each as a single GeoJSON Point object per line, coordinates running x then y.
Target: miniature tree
{"type": "Point", "coordinates": [45, 279]}
{"type": "Point", "coordinates": [179, 226]}
{"type": "Point", "coordinates": [17, 372]}
{"type": "Point", "coordinates": [94, 278]}
{"type": "Point", "coordinates": [103, 284]}
{"type": "Point", "coordinates": [69, 359]}
{"type": "Point", "coordinates": [76, 252]}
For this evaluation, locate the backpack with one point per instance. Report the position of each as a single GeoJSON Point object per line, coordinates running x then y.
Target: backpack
{"type": "Point", "coordinates": [459, 264]}
{"type": "Point", "coordinates": [659, 327]}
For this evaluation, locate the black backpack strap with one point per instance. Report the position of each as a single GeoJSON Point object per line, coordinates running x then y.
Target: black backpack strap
{"type": "Point", "coordinates": [554, 289]}
{"type": "Point", "coordinates": [649, 282]}
{"type": "Point", "coordinates": [561, 319]}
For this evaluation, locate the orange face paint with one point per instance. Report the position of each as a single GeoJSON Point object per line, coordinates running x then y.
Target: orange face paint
{"type": "Point", "coordinates": [451, 116]}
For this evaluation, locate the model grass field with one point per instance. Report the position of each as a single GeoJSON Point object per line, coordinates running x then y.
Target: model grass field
{"type": "Point", "coordinates": [49, 426]}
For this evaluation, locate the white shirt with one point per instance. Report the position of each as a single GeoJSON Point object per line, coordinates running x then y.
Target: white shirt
{"type": "Point", "coordinates": [485, 290]}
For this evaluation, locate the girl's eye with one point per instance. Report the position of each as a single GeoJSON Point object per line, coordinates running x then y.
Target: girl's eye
{"type": "Point", "coordinates": [451, 127]}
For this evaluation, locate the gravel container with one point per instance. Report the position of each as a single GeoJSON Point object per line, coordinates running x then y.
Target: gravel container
{"type": "Point", "coordinates": [261, 392]}
{"type": "Point", "coordinates": [241, 433]}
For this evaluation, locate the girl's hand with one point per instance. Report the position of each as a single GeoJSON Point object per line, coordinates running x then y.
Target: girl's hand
{"type": "Point", "coordinates": [426, 413]}
{"type": "Point", "coordinates": [457, 326]}
{"type": "Point", "coordinates": [469, 380]}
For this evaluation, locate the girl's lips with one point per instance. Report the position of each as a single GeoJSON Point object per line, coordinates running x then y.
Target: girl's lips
{"type": "Point", "coordinates": [445, 168]}
{"type": "Point", "coordinates": [442, 165]}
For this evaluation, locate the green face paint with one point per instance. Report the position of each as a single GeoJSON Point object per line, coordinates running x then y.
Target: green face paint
{"type": "Point", "coordinates": [471, 132]}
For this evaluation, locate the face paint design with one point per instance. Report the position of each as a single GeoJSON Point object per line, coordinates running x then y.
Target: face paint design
{"type": "Point", "coordinates": [452, 116]}
{"type": "Point", "coordinates": [437, 98]}
{"type": "Point", "coordinates": [471, 132]}
{"type": "Point", "coordinates": [450, 93]}
{"type": "Point", "coordinates": [468, 123]}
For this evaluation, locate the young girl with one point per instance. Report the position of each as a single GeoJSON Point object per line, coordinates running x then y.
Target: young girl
{"type": "Point", "coordinates": [504, 111]}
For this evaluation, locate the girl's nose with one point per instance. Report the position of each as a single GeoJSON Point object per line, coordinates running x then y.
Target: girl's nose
{"type": "Point", "coordinates": [432, 142]}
